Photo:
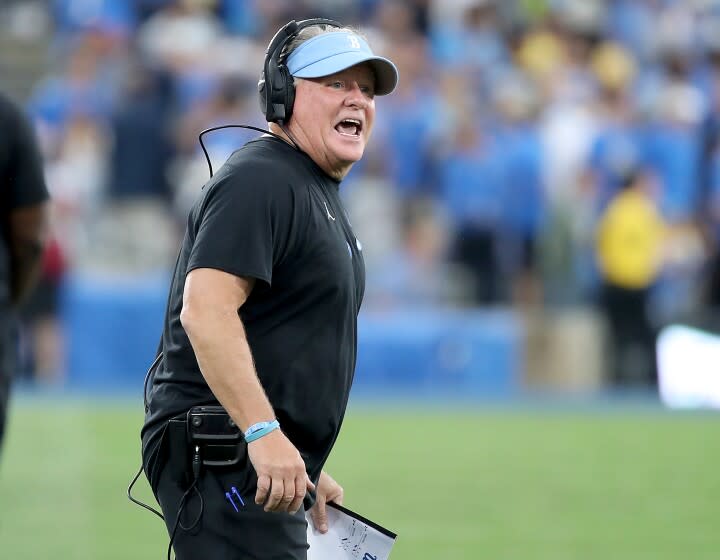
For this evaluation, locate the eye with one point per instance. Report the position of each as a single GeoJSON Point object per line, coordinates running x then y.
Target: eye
{"type": "Point", "coordinates": [368, 91]}
{"type": "Point", "coordinates": [337, 84]}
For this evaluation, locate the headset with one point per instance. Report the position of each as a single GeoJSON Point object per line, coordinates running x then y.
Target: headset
{"type": "Point", "coordinates": [276, 87]}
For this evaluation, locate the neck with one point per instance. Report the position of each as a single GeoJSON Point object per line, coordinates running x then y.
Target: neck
{"type": "Point", "coordinates": [284, 134]}
{"type": "Point", "coordinates": [290, 138]}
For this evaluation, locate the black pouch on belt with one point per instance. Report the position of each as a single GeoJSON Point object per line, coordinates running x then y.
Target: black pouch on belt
{"type": "Point", "coordinates": [220, 441]}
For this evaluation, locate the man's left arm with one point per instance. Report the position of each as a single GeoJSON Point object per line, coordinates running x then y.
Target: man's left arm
{"type": "Point", "coordinates": [327, 491]}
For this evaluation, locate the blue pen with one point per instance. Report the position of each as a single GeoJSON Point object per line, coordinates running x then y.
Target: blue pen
{"type": "Point", "coordinates": [229, 497]}
{"type": "Point", "coordinates": [235, 491]}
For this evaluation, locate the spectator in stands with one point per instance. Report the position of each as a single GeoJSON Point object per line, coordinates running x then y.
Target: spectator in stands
{"type": "Point", "coordinates": [523, 192]}
{"type": "Point", "coordinates": [412, 120]}
{"type": "Point", "coordinates": [136, 224]}
{"type": "Point", "coordinates": [471, 182]}
{"type": "Point", "coordinates": [142, 147]}
{"type": "Point", "coordinates": [416, 274]}
{"type": "Point", "coordinates": [186, 59]}
{"type": "Point", "coordinates": [23, 223]}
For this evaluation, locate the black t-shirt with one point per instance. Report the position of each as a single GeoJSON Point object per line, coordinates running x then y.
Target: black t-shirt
{"type": "Point", "coordinates": [272, 214]}
{"type": "Point", "coordinates": [22, 184]}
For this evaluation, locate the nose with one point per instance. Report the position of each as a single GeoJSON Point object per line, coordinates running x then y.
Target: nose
{"type": "Point", "coordinates": [356, 97]}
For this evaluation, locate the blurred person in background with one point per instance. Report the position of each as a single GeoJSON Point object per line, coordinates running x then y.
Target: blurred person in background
{"type": "Point", "coordinates": [516, 104]}
{"type": "Point", "coordinates": [135, 226]}
{"type": "Point", "coordinates": [416, 274]}
{"type": "Point", "coordinates": [630, 236]}
{"type": "Point", "coordinates": [410, 132]}
{"type": "Point", "coordinates": [262, 312]}
{"type": "Point", "coordinates": [186, 59]}
{"type": "Point", "coordinates": [471, 184]}
{"type": "Point", "coordinates": [23, 225]}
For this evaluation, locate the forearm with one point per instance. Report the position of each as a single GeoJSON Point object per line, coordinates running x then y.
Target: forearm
{"type": "Point", "coordinates": [225, 359]}
{"type": "Point", "coordinates": [28, 232]}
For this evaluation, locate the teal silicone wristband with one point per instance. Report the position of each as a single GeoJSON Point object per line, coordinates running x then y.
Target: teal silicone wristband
{"type": "Point", "coordinates": [256, 431]}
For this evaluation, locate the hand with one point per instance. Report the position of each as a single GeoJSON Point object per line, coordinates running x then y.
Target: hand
{"type": "Point", "coordinates": [327, 491]}
{"type": "Point", "coordinates": [282, 479]}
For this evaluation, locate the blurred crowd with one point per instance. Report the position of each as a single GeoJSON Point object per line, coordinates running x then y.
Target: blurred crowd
{"type": "Point", "coordinates": [536, 152]}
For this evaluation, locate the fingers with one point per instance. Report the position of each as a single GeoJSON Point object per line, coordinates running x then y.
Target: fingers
{"type": "Point", "coordinates": [299, 493]}
{"type": "Point", "coordinates": [319, 515]}
{"type": "Point", "coordinates": [263, 487]}
{"type": "Point", "coordinates": [275, 500]}
{"type": "Point", "coordinates": [284, 495]}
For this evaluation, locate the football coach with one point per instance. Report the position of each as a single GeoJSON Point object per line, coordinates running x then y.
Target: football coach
{"type": "Point", "coordinates": [260, 331]}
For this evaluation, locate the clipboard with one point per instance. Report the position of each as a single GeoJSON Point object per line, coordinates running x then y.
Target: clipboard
{"type": "Point", "coordinates": [350, 536]}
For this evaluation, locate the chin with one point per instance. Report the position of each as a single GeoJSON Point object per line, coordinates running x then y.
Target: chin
{"type": "Point", "coordinates": [351, 154]}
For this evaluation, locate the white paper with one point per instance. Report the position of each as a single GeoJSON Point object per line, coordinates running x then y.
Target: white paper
{"type": "Point", "coordinates": [349, 537]}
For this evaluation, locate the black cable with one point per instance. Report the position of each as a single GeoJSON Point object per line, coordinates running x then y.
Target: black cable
{"type": "Point", "coordinates": [134, 480]}
{"type": "Point", "coordinates": [286, 130]}
{"type": "Point", "coordinates": [177, 524]}
{"type": "Point", "coordinates": [196, 463]}
{"type": "Point", "coordinates": [207, 157]}
{"type": "Point", "coordinates": [133, 500]}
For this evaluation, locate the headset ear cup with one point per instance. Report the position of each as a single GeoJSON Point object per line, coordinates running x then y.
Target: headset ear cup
{"type": "Point", "coordinates": [276, 93]}
{"type": "Point", "coordinates": [275, 84]}
{"type": "Point", "coordinates": [289, 96]}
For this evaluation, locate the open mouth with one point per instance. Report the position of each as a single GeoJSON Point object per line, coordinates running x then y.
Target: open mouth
{"type": "Point", "coordinates": [349, 127]}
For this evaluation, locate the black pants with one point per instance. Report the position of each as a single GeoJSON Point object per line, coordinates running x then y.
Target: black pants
{"type": "Point", "coordinates": [632, 336]}
{"type": "Point", "coordinates": [475, 249]}
{"type": "Point", "coordinates": [221, 532]}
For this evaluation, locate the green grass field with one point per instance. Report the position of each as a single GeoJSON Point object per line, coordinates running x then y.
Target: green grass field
{"type": "Point", "coordinates": [497, 483]}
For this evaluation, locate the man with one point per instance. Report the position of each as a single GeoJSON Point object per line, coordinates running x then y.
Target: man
{"type": "Point", "coordinates": [262, 311]}
{"type": "Point", "coordinates": [631, 235]}
{"type": "Point", "coordinates": [23, 226]}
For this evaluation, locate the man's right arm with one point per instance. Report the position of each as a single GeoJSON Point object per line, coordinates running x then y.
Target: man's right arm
{"type": "Point", "coordinates": [211, 300]}
{"type": "Point", "coordinates": [27, 233]}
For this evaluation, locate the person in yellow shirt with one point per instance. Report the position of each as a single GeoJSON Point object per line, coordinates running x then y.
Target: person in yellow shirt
{"type": "Point", "coordinates": [630, 236]}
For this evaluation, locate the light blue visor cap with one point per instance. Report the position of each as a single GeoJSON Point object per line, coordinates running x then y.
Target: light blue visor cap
{"type": "Point", "coordinates": [333, 52]}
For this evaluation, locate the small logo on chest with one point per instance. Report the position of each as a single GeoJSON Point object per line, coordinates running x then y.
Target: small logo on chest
{"type": "Point", "coordinates": [329, 215]}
